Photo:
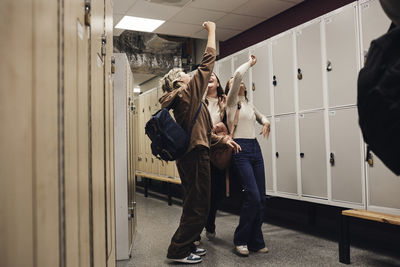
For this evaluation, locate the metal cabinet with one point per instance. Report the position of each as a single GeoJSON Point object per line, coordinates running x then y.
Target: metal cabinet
{"type": "Point", "coordinates": [374, 23]}
{"type": "Point", "coordinates": [309, 67]}
{"type": "Point", "coordinates": [342, 57]}
{"type": "Point", "coordinates": [345, 156]}
{"type": "Point", "coordinates": [260, 80]}
{"type": "Point", "coordinates": [240, 59]}
{"type": "Point", "coordinates": [383, 186]}
{"type": "Point", "coordinates": [286, 170]}
{"type": "Point", "coordinates": [313, 154]}
{"type": "Point", "coordinates": [266, 149]}
{"type": "Point", "coordinates": [283, 73]}
{"type": "Point", "coordinates": [225, 71]}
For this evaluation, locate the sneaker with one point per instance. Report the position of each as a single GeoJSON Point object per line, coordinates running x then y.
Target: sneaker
{"type": "Point", "coordinates": [263, 250]}
{"type": "Point", "coordinates": [242, 250]}
{"type": "Point", "coordinates": [210, 236]}
{"type": "Point", "coordinates": [192, 258]}
{"type": "Point", "coordinates": [200, 252]}
{"type": "Point", "coordinates": [196, 243]}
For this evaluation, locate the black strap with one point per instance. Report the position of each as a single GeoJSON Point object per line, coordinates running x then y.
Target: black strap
{"type": "Point", "coordinates": [194, 119]}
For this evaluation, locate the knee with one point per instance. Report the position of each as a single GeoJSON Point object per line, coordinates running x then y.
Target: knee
{"type": "Point", "coordinates": [253, 199]}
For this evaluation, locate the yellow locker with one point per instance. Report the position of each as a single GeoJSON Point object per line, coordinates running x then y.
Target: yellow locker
{"type": "Point", "coordinates": [170, 169]}
{"type": "Point", "coordinates": [163, 167]}
{"type": "Point", "coordinates": [176, 172]}
{"type": "Point", "coordinates": [136, 133]}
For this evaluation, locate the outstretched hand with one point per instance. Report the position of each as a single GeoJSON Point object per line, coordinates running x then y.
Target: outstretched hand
{"type": "Point", "coordinates": [252, 60]}
{"type": "Point", "coordinates": [266, 130]}
{"type": "Point", "coordinates": [235, 146]}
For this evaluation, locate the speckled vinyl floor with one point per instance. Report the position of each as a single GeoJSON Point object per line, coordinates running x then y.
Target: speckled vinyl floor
{"type": "Point", "coordinates": [156, 223]}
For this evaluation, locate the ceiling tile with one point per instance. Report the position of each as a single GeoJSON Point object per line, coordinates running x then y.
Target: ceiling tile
{"type": "Point", "coordinates": [197, 16]}
{"type": "Point", "coordinates": [145, 9]}
{"type": "Point", "coordinates": [117, 18]}
{"type": "Point", "coordinates": [225, 34]}
{"type": "Point", "coordinates": [262, 8]}
{"type": "Point", "coordinates": [293, 1]}
{"type": "Point", "coordinates": [202, 34]}
{"type": "Point", "coordinates": [178, 29]}
{"type": "Point", "coordinates": [220, 5]}
{"type": "Point", "coordinates": [121, 6]}
{"type": "Point", "coordinates": [238, 22]}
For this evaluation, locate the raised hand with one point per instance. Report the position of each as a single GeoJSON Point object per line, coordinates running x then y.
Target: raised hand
{"type": "Point", "coordinates": [252, 60]}
{"type": "Point", "coordinates": [209, 26]}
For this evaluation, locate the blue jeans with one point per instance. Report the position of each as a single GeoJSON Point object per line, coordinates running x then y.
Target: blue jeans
{"type": "Point", "coordinates": [249, 166]}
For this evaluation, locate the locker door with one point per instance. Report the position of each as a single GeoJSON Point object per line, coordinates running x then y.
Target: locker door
{"type": "Point", "coordinates": [170, 168]}
{"type": "Point", "coordinates": [266, 149]}
{"type": "Point", "coordinates": [383, 186]}
{"type": "Point", "coordinates": [342, 57]}
{"type": "Point", "coordinates": [260, 78]}
{"type": "Point", "coordinates": [374, 23]}
{"type": "Point", "coordinates": [286, 154]}
{"type": "Point", "coordinates": [225, 71]}
{"type": "Point", "coordinates": [345, 156]}
{"type": "Point", "coordinates": [154, 108]}
{"type": "Point", "coordinates": [313, 154]}
{"type": "Point", "coordinates": [309, 68]}
{"type": "Point", "coordinates": [238, 60]}
{"type": "Point", "coordinates": [176, 172]}
{"type": "Point", "coordinates": [282, 76]}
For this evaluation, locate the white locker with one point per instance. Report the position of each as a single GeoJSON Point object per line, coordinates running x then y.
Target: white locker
{"type": "Point", "coordinates": [260, 80]}
{"type": "Point", "coordinates": [309, 67]}
{"type": "Point", "coordinates": [282, 76]}
{"type": "Point", "coordinates": [286, 170]}
{"type": "Point", "coordinates": [345, 156]}
{"type": "Point", "coordinates": [238, 60]}
{"type": "Point", "coordinates": [313, 154]}
{"type": "Point", "coordinates": [266, 149]}
{"type": "Point", "coordinates": [374, 23]}
{"type": "Point", "coordinates": [383, 186]}
{"type": "Point", "coordinates": [225, 71]}
{"type": "Point", "coordinates": [342, 57]}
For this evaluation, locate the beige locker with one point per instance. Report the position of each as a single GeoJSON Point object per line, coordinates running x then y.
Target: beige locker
{"type": "Point", "coordinates": [163, 167]}
{"type": "Point", "coordinates": [136, 133]}
{"type": "Point", "coordinates": [170, 169]}
{"type": "Point", "coordinates": [176, 172]}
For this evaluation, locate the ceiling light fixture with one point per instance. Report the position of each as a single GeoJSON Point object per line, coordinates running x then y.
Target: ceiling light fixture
{"type": "Point", "coordinates": [139, 24]}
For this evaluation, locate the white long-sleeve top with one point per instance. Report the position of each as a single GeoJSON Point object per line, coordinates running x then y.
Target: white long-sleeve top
{"type": "Point", "coordinates": [214, 110]}
{"type": "Point", "coordinates": [248, 114]}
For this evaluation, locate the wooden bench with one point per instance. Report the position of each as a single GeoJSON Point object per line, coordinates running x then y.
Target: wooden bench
{"type": "Point", "coordinates": [167, 180]}
{"type": "Point", "coordinates": [344, 240]}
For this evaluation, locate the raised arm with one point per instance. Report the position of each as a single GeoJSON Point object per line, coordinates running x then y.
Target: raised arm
{"type": "Point", "coordinates": [232, 97]}
{"type": "Point", "coordinates": [198, 83]}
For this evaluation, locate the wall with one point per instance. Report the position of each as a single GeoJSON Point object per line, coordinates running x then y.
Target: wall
{"type": "Point", "coordinates": [286, 20]}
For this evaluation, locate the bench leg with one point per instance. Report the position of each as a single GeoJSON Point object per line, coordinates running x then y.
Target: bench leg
{"type": "Point", "coordinates": [169, 194]}
{"type": "Point", "coordinates": [344, 240]}
{"type": "Point", "coordinates": [146, 185]}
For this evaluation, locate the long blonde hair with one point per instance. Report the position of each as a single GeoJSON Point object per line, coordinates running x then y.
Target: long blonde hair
{"type": "Point", "coordinates": [171, 80]}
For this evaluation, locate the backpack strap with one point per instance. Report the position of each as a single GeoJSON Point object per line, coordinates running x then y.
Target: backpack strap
{"type": "Point", "coordinates": [194, 119]}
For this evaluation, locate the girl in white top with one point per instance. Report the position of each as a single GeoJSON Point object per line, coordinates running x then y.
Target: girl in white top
{"type": "Point", "coordinates": [248, 164]}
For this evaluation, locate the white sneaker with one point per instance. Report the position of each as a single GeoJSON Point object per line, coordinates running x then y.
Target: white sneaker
{"type": "Point", "coordinates": [263, 250]}
{"type": "Point", "coordinates": [242, 250]}
{"type": "Point", "coordinates": [200, 252]}
{"type": "Point", "coordinates": [192, 258]}
{"type": "Point", "coordinates": [210, 236]}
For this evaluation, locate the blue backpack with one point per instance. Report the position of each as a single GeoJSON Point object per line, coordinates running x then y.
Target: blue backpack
{"type": "Point", "coordinates": [169, 141]}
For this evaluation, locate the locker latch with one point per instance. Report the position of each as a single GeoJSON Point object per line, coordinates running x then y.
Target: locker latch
{"type": "Point", "coordinates": [277, 154]}
{"type": "Point", "coordinates": [103, 44]}
{"type": "Point", "coordinates": [87, 12]}
{"type": "Point", "coordinates": [253, 87]}
{"type": "Point", "coordinates": [131, 213]}
{"type": "Point", "coordinates": [302, 155]}
{"type": "Point", "coordinates": [274, 82]}
{"type": "Point", "coordinates": [113, 64]}
{"type": "Point", "coordinates": [329, 66]}
{"type": "Point", "coordinates": [332, 159]}
{"type": "Point", "coordinates": [299, 74]}
{"type": "Point", "coordinates": [369, 158]}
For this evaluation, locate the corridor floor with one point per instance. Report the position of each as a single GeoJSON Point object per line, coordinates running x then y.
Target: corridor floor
{"type": "Point", "coordinates": [156, 223]}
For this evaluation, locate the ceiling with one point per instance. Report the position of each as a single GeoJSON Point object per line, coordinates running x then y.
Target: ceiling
{"type": "Point", "coordinates": [184, 17]}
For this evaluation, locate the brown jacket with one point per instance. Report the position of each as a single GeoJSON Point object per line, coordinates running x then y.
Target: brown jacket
{"type": "Point", "coordinates": [186, 102]}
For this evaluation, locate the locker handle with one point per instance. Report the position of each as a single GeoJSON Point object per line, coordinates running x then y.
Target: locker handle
{"type": "Point", "coordinates": [299, 74]}
{"type": "Point", "coordinates": [253, 87]}
{"type": "Point", "coordinates": [329, 66]}
{"type": "Point", "coordinates": [274, 82]}
{"type": "Point", "coordinates": [332, 159]}
{"type": "Point", "coordinates": [277, 154]}
{"type": "Point", "coordinates": [302, 155]}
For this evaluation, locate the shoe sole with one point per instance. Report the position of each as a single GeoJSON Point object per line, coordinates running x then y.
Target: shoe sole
{"type": "Point", "coordinates": [241, 254]}
{"type": "Point", "coordinates": [200, 254]}
{"type": "Point", "coordinates": [188, 262]}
